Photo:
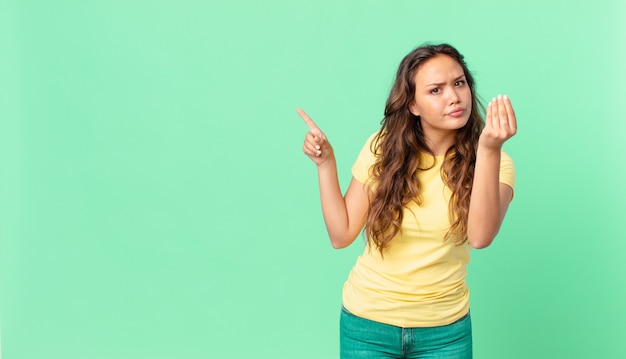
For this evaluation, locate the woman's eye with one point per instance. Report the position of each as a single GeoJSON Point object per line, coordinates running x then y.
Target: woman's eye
{"type": "Point", "coordinates": [460, 83]}
{"type": "Point", "coordinates": [435, 90]}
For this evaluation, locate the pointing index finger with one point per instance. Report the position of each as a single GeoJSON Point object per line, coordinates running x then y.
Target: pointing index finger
{"type": "Point", "coordinates": [309, 122]}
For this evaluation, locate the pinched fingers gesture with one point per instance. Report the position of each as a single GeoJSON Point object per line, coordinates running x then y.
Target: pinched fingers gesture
{"type": "Point", "coordinates": [500, 123]}
{"type": "Point", "coordinates": [316, 145]}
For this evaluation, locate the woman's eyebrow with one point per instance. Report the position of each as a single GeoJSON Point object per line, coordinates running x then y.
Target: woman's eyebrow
{"type": "Point", "coordinates": [443, 83]}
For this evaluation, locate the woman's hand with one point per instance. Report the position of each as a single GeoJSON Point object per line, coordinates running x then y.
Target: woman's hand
{"type": "Point", "coordinates": [500, 124]}
{"type": "Point", "coordinates": [316, 145]}
{"type": "Point", "coordinates": [490, 198]}
{"type": "Point", "coordinates": [344, 215]}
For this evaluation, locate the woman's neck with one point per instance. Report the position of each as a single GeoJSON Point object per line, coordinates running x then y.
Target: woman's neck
{"type": "Point", "coordinates": [440, 142]}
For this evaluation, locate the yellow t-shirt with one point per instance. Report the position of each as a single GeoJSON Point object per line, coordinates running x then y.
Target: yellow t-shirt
{"type": "Point", "coordinates": [421, 280]}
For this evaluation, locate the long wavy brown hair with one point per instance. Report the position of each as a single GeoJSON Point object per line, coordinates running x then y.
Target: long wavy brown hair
{"type": "Point", "coordinates": [398, 145]}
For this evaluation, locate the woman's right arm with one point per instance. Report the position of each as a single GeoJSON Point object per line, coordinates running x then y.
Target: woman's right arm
{"type": "Point", "coordinates": [344, 215]}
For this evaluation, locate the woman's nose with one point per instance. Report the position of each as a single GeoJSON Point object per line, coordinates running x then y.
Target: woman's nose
{"type": "Point", "coordinates": [454, 96]}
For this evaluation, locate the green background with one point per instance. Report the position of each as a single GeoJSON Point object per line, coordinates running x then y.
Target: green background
{"type": "Point", "coordinates": [155, 203]}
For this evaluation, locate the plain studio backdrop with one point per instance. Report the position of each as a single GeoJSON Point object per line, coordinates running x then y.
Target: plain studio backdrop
{"type": "Point", "coordinates": [155, 202]}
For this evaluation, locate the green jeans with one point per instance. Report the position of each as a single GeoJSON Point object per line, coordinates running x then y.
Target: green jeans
{"type": "Point", "coordinates": [362, 338]}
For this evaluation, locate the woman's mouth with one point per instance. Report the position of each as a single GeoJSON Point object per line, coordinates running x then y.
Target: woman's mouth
{"type": "Point", "coordinates": [457, 112]}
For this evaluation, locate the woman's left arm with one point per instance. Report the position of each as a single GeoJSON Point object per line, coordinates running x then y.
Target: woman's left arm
{"type": "Point", "coordinates": [490, 199]}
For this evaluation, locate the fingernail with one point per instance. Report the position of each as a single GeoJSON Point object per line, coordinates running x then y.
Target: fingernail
{"type": "Point", "coordinates": [506, 97]}
{"type": "Point", "coordinates": [493, 99]}
{"type": "Point", "coordinates": [317, 147]}
{"type": "Point", "coordinates": [499, 97]}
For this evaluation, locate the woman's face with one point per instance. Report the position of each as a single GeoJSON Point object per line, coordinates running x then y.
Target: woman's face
{"type": "Point", "coordinates": [443, 99]}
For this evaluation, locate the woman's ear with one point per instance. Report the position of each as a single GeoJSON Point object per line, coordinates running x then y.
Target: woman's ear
{"type": "Point", "coordinates": [413, 108]}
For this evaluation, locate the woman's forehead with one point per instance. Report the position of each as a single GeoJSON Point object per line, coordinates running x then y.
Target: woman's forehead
{"type": "Point", "coordinates": [439, 69]}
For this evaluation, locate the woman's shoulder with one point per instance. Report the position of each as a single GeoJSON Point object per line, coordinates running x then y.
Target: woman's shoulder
{"type": "Point", "coordinates": [362, 168]}
{"type": "Point", "coordinates": [505, 158]}
{"type": "Point", "coordinates": [374, 140]}
{"type": "Point", "coordinates": [507, 170]}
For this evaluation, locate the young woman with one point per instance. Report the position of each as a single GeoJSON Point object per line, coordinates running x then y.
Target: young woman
{"type": "Point", "coordinates": [431, 184]}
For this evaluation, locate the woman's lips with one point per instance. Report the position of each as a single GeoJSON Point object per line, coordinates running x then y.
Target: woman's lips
{"type": "Point", "coordinates": [457, 113]}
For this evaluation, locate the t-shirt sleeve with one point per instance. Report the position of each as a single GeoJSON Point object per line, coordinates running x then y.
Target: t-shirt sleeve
{"type": "Point", "coordinates": [361, 170]}
{"type": "Point", "coordinates": [507, 170]}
